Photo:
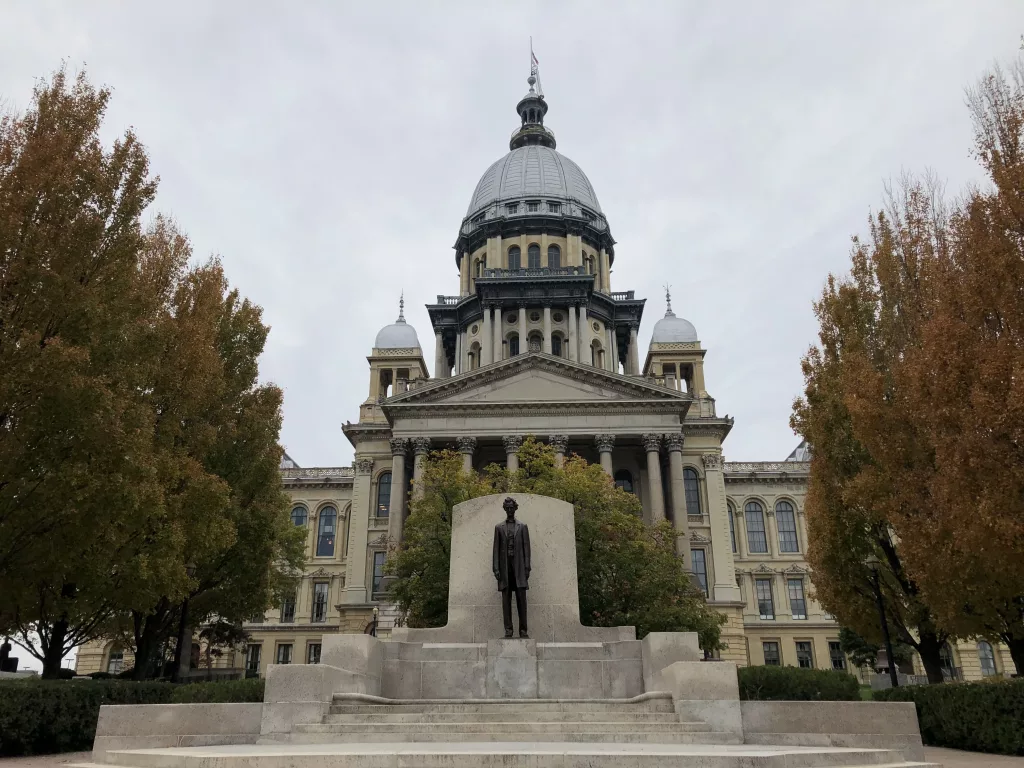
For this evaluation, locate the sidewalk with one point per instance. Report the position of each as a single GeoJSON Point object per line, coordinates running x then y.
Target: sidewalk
{"type": "Point", "coordinates": [955, 758]}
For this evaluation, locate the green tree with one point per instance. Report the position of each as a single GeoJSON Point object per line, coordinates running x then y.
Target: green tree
{"type": "Point", "coordinates": [865, 654]}
{"type": "Point", "coordinates": [629, 573]}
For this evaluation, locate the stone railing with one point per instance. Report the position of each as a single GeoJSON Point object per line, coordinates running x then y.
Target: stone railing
{"type": "Point", "coordinates": [622, 296]}
{"type": "Point", "coordinates": [448, 300]}
{"type": "Point", "coordinates": [538, 272]}
{"type": "Point", "coordinates": [317, 473]}
{"type": "Point", "coordinates": [747, 467]}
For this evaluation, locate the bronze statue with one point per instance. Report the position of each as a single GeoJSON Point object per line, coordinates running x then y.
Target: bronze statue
{"type": "Point", "coordinates": [511, 565]}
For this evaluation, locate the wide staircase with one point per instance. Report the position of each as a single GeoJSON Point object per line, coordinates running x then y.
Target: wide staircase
{"type": "Point", "coordinates": [649, 718]}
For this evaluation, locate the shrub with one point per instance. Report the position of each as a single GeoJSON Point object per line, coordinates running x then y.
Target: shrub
{"type": "Point", "coordinates": [250, 690]}
{"type": "Point", "coordinates": [796, 684]}
{"type": "Point", "coordinates": [46, 716]}
{"type": "Point", "coordinates": [981, 717]}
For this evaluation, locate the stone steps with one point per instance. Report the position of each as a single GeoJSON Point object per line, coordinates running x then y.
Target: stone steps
{"type": "Point", "coordinates": [447, 736]}
{"type": "Point", "coordinates": [543, 716]}
{"type": "Point", "coordinates": [350, 704]}
{"type": "Point", "coordinates": [505, 755]}
{"type": "Point", "coordinates": [512, 726]}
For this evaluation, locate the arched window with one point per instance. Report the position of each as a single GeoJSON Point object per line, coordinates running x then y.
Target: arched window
{"type": "Point", "coordinates": [595, 354]}
{"type": "Point", "coordinates": [115, 660]}
{"type": "Point", "coordinates": [513, 345]}
{"type": "Point", "coordinates": [786, 521]}
{"type": "Point", "coordinates": [533, 256]}
{"type": "Point", "coordinates": [536, 343]}
{"type": "Point", "coordinates": [474, 356]}
{"type": "Point", "coordinates": [479, 267]}
{"type": "Point", "coordinates": [946, 662]}
{"type": "Point", "coordinates": [299, 516]}
{"type": "Point", "coordinates": [554, 256]}
{"type": "Point", "coordinates": [691, 489]}
{"type": "Point", "coordinates": [513, 257]}
{"type": "Point", "coordinates": [556, 346]}
{"type": "Point", "coordinates": [624, 480]}
{"type": "Point", "coordinates": [384, 494]}
{"type": "Point", "coordinates": [757, 542]}
{"type": "Point", "coordinates": [327, 532]}
{"type": "Point", "coordinates": [987, 658]}
{"type": "Point", "coordinates": [732, 529]}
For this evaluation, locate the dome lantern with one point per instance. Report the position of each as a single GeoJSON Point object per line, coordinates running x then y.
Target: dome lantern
{"type": "Point", "coordinates": [398, 335]}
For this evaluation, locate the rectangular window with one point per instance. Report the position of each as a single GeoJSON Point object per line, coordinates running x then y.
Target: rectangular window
{"type": "Point", "coordinates": [765, 603]}
{"type": "Point", "coordinates": [554, 207]}
{"type": "Point", "coordinates": [378, 569]}
{"type": "Point", "coordinates": [699, 566]}
{"type": "Point", "coordinates": [836, 655]}
{"type": "Point", "coordinates": [252, 657]}
{"type": "Point", "coordinates": [532, 207]}
{"type": "Point", "coordinates": [732, 530]}
{"type": "Point", "coordinates": [319, 602]}
{"type": "Point", "coordinates": [288, 610]}
{"type": "Point", "coordinates": [284, 653]}
{"type": "Point", "coordinates": [756, 539]}
{"type": "Point", "coordinates": [796, 598]}
{"type": "Point", "coordinates": [771, 654]}
{"type": "Point", "coordinates": [313, 653]}
{"type": "Point", "coordinates": [512, 208]}
{"type": "Point", "coordinates": [804, 655]}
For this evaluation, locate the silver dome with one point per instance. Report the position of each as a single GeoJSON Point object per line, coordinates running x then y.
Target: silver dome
{"type": "Point", "coordinates": [398, 335]}
{"type": "Point", "coordinates": [533, 171]}
{"type": "Point", "coordinates": [671, 329]}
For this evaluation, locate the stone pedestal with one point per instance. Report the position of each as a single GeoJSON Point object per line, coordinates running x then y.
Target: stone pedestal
{"type": "Point", "coordinates": [512, 669]}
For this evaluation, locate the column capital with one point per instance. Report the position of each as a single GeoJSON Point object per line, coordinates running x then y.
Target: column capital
{"type": "Point", "coordinates": [604, 443]}
{"type": "Point", "coordinates": [466, 444]}
{"type": "Point", "coordinates": [399, 445]}
{"type": "Point", "coordinates": [674, 441]}
{"type": "Point", "coordinates": [364, 466]}
{"type": "Point", "coordinates": [421, 445]}
{"type": "Point", "coordinates": [634, 325]}
{"type": "Point", "coordinates": [711, 460]}
{"type": "Point", "coordinates": [558, 442]}
{"type": "Point", "coordinates": [512, 443]}
{"type": "Point", "coordinates": [522, 304]}
{"type": "Point", "coordinates": [652, 442]}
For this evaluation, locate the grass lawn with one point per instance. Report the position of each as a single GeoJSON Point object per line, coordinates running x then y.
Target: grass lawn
{"type": "Point", "coordinates": [865, 693]}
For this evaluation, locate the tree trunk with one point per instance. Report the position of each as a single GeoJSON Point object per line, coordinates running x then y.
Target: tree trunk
{"type": "Point", "coordinates": [1015, 642]}
{"type": "Point", "coordinates": [150, 634]}
{"type": "Point", "coordinates": [928, 649]}
{"type": "Point", "coordinates": [53, 654]}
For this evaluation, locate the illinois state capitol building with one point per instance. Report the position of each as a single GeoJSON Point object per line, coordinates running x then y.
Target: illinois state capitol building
{"type": "Point", "coordinates": [536, 342]}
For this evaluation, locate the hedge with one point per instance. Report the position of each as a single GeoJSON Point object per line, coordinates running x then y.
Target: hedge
{"type": "Point", "coordinates": [48, 716]}
{"type": "Point", "coordinates": [769, 683]}
{"type": "Point", "coordinates": [980, 717]}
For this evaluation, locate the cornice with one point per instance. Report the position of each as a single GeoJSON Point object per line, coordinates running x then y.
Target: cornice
{"type": "Point", "coordinates": [770, 472]}
{"type": "Point", "coordinates": [548, 408]}
{"type": "Point", "coordinates": [317, 477]}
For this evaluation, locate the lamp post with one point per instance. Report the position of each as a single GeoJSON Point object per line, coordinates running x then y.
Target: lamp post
{"type": "Point", "coordinates": [874, 564]}
{"type": "Point", "coordinates": [373, 629]}
{"type": "Point", "coordinates": [190, 571]}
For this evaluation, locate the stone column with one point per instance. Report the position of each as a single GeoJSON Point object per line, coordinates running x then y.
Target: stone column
{"type": "Point", "coordinates": [512, 444]}
{"type": "Point", "coordinates": [584, 333]}
{"type": "Point", "coordinates": [547, 328]}
{"type": "Point", "coordinates": [524, 344]}
{"type": "Point", "coordinates": [420, 449]}
{"type": "Point", "coordinates": [612, 358]}
{"type": "Point", "coordinates": [485, 343]}
{"type": "Point", "coordinates": [496, 324]}
{"type": "Point", "coordinates": [573, 339]}
{"type": "Point", "coordinates": [358, 525]}
{"type": "Point", "coordinates": [467, 447]}
{"type": "Point", "coordinates": [559, 443]}
{"type": "Point", "coordinates": [440, 357]}
{"type": "Point", "coordinates": [396, 517]}
{"type": "Point", "coordinates": [459, 352]}
{"type": "Point", "coordinates": [604, 444]}
{"type": "Point", "coordinates": [674, 444]}
{"type": "Point", "coordinates": [725, 588]}
{"type": "Point", "coordinates": [634, 353]}
{"type": "Point", "coordinates": [652, 443]}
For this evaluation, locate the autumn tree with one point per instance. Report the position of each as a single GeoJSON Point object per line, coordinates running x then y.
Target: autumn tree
{"type": "Point", "coordinates": [629, 573]}
{"type": "Point", "coordinates": [135, 440]}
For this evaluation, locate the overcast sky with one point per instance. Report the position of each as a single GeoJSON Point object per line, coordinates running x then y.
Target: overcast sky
{"type": "Point", "coordinates": [327, 151]}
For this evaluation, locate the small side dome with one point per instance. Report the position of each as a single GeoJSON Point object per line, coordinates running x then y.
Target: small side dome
{"type": "Point", "coordinates": [398, 335]}
{"type": "Point", "coordinates": [672, 329]}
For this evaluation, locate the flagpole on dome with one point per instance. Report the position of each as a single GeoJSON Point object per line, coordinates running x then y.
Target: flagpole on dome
{"type": "Point", "coordinates": [535, 69]}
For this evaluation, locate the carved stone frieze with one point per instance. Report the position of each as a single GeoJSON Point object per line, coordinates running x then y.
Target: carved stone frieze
{"type": "Point", "coordinates": [466, 444]}
{"type": "Point", "coordinates": [317, 472]}
{"type": "Point", "coordinates": [712, 461]}
{"type": "Point", "coordinates": [558, 442]}
{"type": "Point", "coordinates": [763, 568]}
{"type": "Point", "coordinates": [364, 466]}
{"type": "Point", "coordinates": [696, 537]}
{"type": "Point", "coordinates": [652, 442]}
{"type": "Point", "coordinates": [604, 443]}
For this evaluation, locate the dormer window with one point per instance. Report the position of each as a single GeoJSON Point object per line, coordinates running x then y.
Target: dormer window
{"type": "Point", "coordinates": [533, 206]}
{"type": "Point", "coordinates": [554, 207]}
{"type": "Point", "coordinates": [512, 209]}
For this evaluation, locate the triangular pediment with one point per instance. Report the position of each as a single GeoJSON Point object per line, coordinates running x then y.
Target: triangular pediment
{"type": "Point", "coordinates": [538, 378]}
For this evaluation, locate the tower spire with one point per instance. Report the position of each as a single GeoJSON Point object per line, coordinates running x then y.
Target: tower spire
{"type": "Point", "coordinates": [401, 308]}
{"type": "Point", "coordinates": [531, 109]}
{"type": "Point", "coordinates": [668, 301]}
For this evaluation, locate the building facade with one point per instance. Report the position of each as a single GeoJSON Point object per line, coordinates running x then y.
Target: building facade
{"type": "Point", "coordinates": [536, 341]}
